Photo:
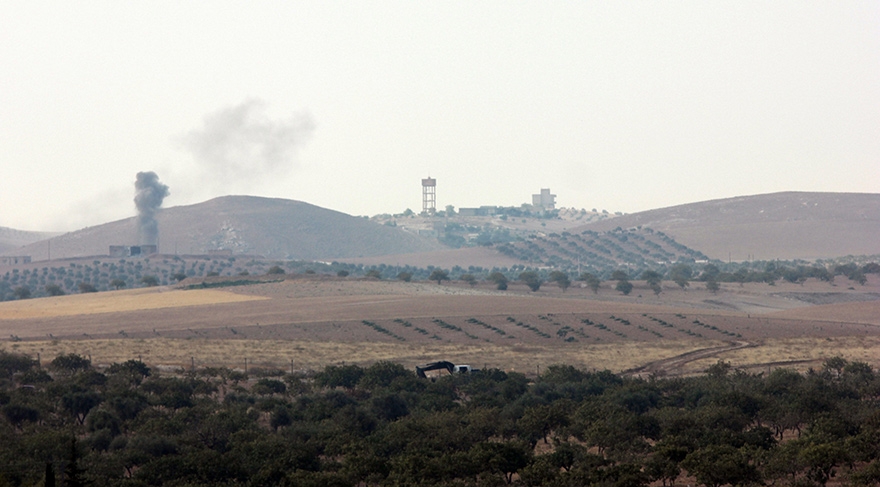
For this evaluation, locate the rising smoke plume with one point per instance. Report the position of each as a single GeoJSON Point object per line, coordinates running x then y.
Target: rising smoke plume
{"type": "Point", "coordinates": [241, 144]}
{"type": "Point", "coordinates": [148, 196]}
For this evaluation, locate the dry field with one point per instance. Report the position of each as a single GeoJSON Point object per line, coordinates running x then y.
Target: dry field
{"type": "Point", "coordinates": [445, 259]}
{"type": "Point", "coordinates": [119, 301]}
{"type": "Point", "coordinates": [307, 323]}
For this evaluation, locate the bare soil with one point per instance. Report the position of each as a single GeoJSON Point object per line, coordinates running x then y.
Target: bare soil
{"type": "Point", "coordinates": [312, 322]}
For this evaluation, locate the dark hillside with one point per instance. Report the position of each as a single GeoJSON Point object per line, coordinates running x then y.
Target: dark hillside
{"type": "Point", "coordinates": [791, 225]}
{"type": "Point", "coordinates": [273, 228]}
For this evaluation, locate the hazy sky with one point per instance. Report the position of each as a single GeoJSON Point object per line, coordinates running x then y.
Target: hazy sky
{"type": "Point", "coordinates": [624, 106]}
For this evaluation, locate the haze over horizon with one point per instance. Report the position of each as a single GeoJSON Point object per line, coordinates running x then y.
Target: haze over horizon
{"type": "Point", "coordinates": [618, 106]}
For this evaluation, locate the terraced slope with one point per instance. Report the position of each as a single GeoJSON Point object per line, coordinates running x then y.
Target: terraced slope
{"type": "Point", "coordinates": [598, 252]}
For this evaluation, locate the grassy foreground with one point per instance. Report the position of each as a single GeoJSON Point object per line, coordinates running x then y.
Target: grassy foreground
{"type": "Point", "coordinates": [204, 352]}
{"type": "Point", "coordinates": [528, 359]}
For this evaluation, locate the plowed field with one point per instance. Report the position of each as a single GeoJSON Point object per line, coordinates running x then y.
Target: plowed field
{"type": "Point", "coordinates": [311, 322]}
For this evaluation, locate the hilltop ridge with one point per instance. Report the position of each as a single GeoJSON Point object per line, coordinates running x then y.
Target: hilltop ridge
{"type": "Point", "coordinates": [273, 228]}
{"type": "Point", "coordinates": [787, 225]}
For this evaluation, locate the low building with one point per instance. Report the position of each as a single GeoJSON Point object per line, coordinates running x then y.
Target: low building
{"type": "Point", "coordinates": [132, 250]}
{"type": "Point", "coordinates": [481, 211]}
{"type": "Point", "coordinates": [544, 200]}
{"type": "Point", "coordinates": [15, 260]}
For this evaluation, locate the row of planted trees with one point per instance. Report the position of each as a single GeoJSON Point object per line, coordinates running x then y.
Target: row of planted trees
{"type": "Point", "coordinates": [682, 274]}
{"type": "Point", "coordinates": [113, 275]}
{"type": "Point", "coordinates": [103, 275]}
{"type": "Point", "coordinates": [382, 425]}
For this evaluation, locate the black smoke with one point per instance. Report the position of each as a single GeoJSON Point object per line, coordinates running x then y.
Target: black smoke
{"type": "Point", "coordinates": [148, 196]}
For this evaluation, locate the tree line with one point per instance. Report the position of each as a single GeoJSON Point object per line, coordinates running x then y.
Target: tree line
{"type": "Point", "coordinates": [380, 424]}
{"type": "Point", "coordinates": [80, 277]}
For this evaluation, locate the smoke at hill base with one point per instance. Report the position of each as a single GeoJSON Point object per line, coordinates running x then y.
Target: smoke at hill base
{"type": "Point", "coordinates": [149, 193]}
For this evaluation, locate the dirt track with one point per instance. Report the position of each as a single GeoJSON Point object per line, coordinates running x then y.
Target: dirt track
{"type": "Point", "coordinates": [674, 365]}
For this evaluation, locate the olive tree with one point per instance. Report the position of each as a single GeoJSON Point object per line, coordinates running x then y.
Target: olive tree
{"type": "Point", "coordinates": [592, 281]}
{"type": "Point", "coordinates": [499, 279]}
{"type": "Point", "coordinates": [561, 279]}
{"type": "Point", "coordinates": [532, 280]}
{"type": "Point", "coordinates": [439, 275]}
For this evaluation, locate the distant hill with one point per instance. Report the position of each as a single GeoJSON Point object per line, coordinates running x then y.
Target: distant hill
{"type": "Point", "coordinates": [11, 239]}
{"type": "Point", "coordinates": [790, 225]}
{"type": "Point", "coordinates": [273, 228]}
